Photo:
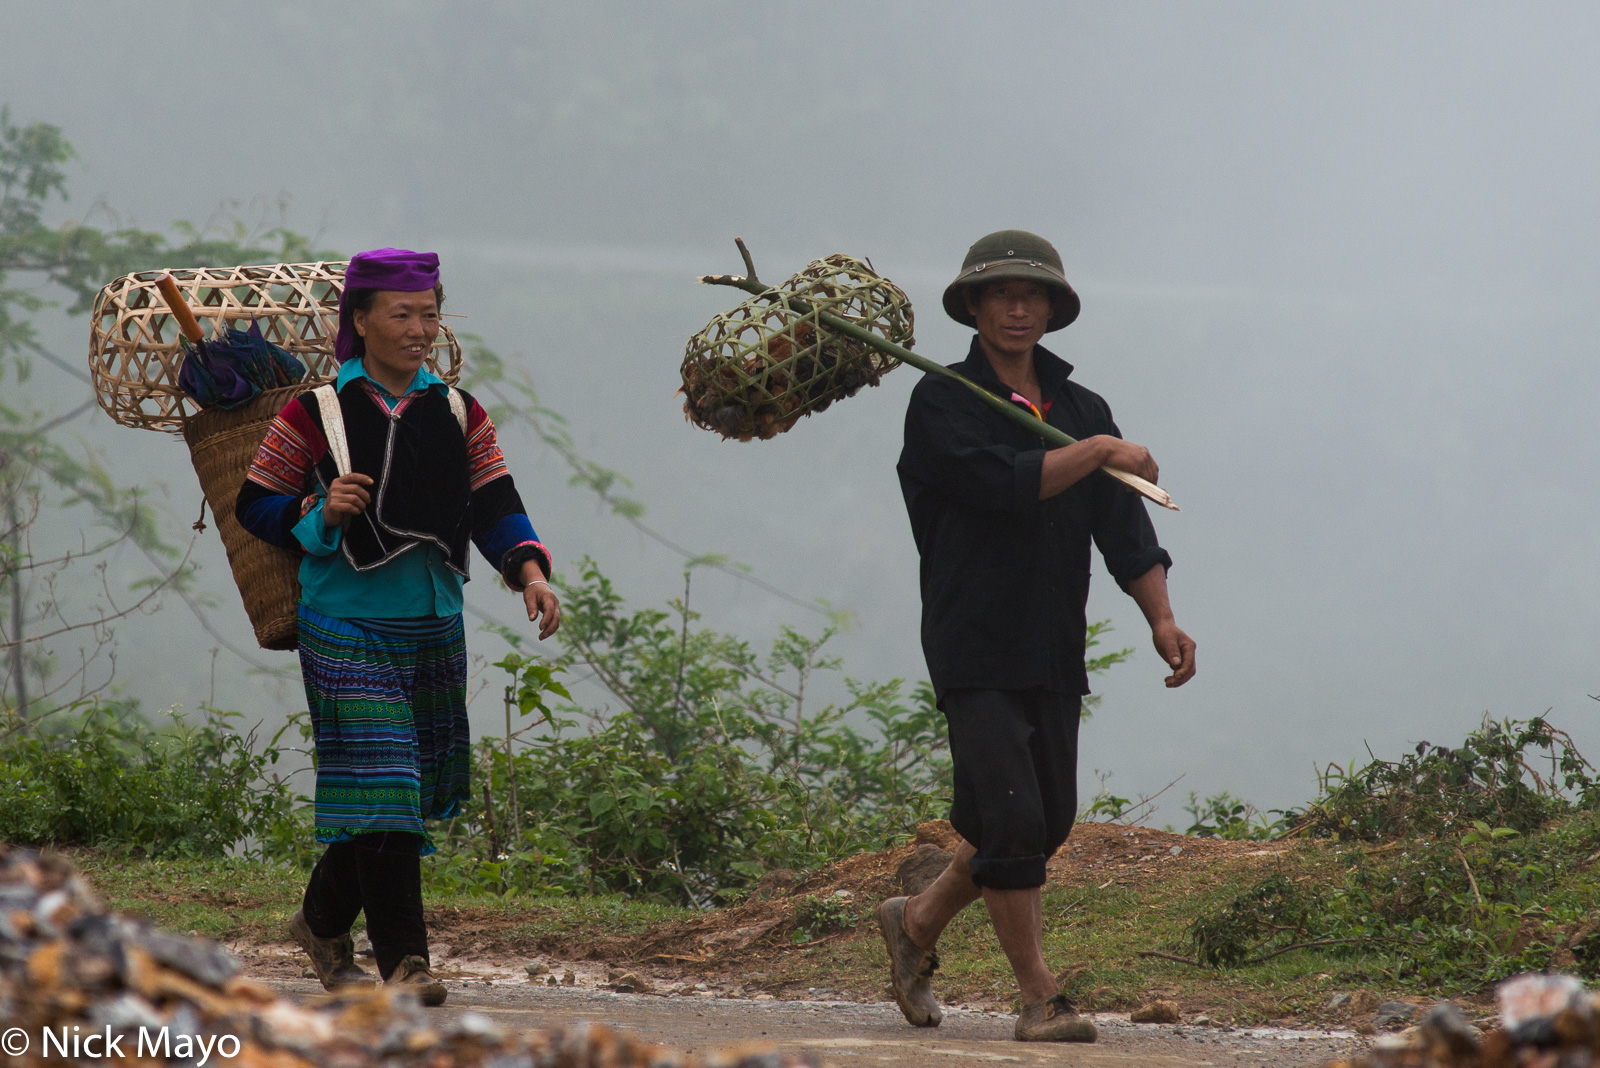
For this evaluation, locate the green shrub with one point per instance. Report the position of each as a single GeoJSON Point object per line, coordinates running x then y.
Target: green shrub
{"type": "Point", "coordinates": [713, 769]}
{"type": "Point", "coordinates": [1225, 816]}
{"type": "Point", "coordinates": [817, 917]}
{"type": "Point", "coordinates": [1485, 870]}
{"type": "Point", "coordinates": [1490, 777]}
{"type": "Point", "coordinates": [109, 776]}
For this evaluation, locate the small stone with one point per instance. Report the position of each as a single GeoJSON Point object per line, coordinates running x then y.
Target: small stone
{"type": "Point", "coordinates": [1201, 1021]}
{"type": "Point", "coordinates": [1402, 1042]}
{"type": "Point", "coordinates": [569, 978]}
{"type": "Point", "coordinates": [536, 969]}
{"type": "Point", "coordinates": [1176, 851]}
{"type": "Point", "coordinates": [1155, 1012]}
{"type": "Point", "coordinates": [1339, 1001]}
{"type": "Point", "coordinates": [765, 997]}
{"type": "Point", "coordinates": [553, 981]}
{"type": "Point", "coordinates": [629, 981]}
{"type": "Point", "coordinates": [1363, 1001]}
{"type": "Point", "coordinates": [363, 945]}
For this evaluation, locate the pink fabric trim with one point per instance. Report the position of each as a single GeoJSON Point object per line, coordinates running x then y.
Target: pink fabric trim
{"type": "Point", "coordinates": [548, 565]}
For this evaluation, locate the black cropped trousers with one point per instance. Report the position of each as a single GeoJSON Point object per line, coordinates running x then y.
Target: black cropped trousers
{"type": "Point", "coordinates": [1016, 779]}
{"type": "Point", "coordinates": [379, 874]}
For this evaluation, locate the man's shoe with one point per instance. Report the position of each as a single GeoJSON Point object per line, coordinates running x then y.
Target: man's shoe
{"type": "Point", "coordinates": [1056, 1020]}
{"type": "Point", "coordinates": [412, 975]}
{"type": "Point", "coordinates": [910, 966]}
{"type": "Point", "coordinates": [333, 959]}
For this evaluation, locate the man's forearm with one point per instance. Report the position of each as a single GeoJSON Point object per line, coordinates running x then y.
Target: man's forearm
{"type": "Point", "coordinates": [1149, 592]}
{"type": "Point", "coordinates": [1070, 464]}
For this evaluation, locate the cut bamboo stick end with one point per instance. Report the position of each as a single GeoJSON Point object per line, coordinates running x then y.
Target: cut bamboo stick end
{"type": "Point", "coordinates": [179, 308]}
{"type": "Point", "coordinates": [1148, 489]}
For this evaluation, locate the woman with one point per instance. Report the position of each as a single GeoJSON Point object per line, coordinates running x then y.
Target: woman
{"type": "Point", "coordinates": [382, 648]}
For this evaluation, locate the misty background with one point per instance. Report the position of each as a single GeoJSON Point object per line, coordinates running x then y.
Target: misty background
{"type": "Point", "coordinates": [1338, 266]}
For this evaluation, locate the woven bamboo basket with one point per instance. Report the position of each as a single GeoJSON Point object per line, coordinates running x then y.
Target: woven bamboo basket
{"type": "Point", "coordinates": [134, 357]}
{"type": "Point", "coordinates": [755, 370]}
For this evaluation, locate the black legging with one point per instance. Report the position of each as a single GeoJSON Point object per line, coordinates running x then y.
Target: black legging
{"type": "Point", "coordinates": [381, 874]}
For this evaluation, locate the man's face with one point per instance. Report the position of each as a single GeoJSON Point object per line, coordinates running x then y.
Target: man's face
{"type": "Point", "coordinates": [1011, 315]}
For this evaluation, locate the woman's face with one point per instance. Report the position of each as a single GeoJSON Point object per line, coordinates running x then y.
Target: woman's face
{"type": "Point", "coordinates": [399, 330]}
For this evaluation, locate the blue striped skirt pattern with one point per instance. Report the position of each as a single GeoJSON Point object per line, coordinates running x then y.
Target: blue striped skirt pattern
{"type": "Point", "coordinates": [388, 701]}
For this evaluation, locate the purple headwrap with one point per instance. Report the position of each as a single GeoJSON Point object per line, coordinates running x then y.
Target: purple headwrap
{"type": "Point", "coordinates": [382, 268]}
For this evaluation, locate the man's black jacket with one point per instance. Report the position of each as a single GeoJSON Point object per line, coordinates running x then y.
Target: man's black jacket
{"type": "Point", "coordinates": [1005, 576]}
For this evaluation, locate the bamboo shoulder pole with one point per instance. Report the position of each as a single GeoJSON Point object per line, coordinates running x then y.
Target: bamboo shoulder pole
{"type": "Point", "coordinates": [905, 355]}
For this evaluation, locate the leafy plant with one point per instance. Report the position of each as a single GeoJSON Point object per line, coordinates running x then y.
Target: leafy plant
{"type": "Point", "coordinates": [104, 775]}
{"type": "Point", "coordinates": [1436, 790]}
{"type": "Point", "coordinates": [1225, 816]}
{"type": "Point", "coordinates": [1457, 867]}
{"type": "Point", "coordinates": [714, 768]}
{"type": "Point", "coordinates": [817, 917]}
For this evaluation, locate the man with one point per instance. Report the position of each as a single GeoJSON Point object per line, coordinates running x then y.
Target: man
{"type": "Point", "coordinates": [1003, 526]}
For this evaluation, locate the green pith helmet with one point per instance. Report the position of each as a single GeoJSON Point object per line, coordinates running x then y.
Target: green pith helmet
{"type": "Point", "coordinates": [1013, 254]}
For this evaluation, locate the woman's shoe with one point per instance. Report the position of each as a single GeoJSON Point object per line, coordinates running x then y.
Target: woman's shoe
{"type": "Point", "coordinates": [333, 959]}
{"type": "Point", "coordinates": [412, 974]}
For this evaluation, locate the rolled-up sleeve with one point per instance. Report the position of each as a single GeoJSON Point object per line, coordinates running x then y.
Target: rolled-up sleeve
{"type": "Point", "coordinates": [1122, 529]}
{"type": "Point", "coordinates": [314, 534]}
{"type": "Point", "coordinates": [959, 455]}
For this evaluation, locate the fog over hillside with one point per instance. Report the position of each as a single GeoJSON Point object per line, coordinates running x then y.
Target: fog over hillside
{"type": "Point", "coordinates": [1338, 266]}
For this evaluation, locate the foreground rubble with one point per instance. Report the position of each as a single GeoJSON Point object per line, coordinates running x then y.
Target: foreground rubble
{"type": "Point", "coordinates": [1546, 1021]}
{"type": "Point", "coordinates": [79, 982]}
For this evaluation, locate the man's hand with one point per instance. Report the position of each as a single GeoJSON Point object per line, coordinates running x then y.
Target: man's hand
{"type": "Point", "coordinates": [1177, 649]}
{"type": "Point", "coordinates": [541, 601]}
{"type": "Point", "coordinates": [347, 498]}
{"type": "Point", "coordinates": [1065, 466]}
{"type": "Point", "coordinates": [1149, 590]}
{"type": "Point", "coordinates": [1126, 456]}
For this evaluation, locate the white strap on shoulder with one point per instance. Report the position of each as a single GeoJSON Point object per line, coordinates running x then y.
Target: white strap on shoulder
{"type": "Point", "coordinates": [333, 427]}
{"type": "Point", "coordinates": [458, 406]}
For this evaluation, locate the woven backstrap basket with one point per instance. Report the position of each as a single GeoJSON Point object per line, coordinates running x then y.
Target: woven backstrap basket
{"type": "Point", "coordinates": [134, 356]}
{"type": "Point", "coordinates": [755, 370]}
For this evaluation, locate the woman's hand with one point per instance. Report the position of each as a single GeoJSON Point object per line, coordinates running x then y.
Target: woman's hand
{"type": "Point", "coordinates": [541, 601]}
{"type": "Point", "coordinates": [347, 498]}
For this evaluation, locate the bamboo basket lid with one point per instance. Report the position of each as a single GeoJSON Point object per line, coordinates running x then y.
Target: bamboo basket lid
{"type": "Point", "coordinates": [134, 353]}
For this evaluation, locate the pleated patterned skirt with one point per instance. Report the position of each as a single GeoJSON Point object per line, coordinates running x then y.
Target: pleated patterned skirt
{"type": "Point", "coordinates": [388, 701]}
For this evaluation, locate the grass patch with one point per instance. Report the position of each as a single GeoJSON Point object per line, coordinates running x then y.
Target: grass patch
{"type": "Point", "coordinates": [237, 899]}
{"type": "Point", "coordinates": [1093, 935]}
{"type": "Point", "coordinates": [1538, 891]}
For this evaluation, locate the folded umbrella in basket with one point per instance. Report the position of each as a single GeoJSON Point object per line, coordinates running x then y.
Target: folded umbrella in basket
{"type": "Point", "coordinates": [227, 372]}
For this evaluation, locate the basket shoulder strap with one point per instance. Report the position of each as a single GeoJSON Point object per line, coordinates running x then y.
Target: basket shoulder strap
{"type": "Point", "coordinates": [333, 427]}
{"type": "Point", "coordinates": [458, 407]}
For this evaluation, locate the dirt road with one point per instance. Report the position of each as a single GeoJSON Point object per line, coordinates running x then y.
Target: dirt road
{"type": "Point", "coordinates": [875, 1035]}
